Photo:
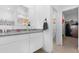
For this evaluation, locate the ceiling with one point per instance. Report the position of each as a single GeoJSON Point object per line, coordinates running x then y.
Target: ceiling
{"type": "Point", "coordinates": [64, 7]}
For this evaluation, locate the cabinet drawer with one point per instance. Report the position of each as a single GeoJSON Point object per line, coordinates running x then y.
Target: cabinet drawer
{"type": "Point", "coordinates": [9, 39]}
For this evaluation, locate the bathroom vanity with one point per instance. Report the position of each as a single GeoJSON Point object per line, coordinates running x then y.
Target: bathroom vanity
{"type": "Point", "coordinates": [21, 42]}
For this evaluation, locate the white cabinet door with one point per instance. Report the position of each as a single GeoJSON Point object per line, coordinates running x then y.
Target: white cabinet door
{"type": "Point", "coordinates": [15, 47]}
{"type": "Point", "coordinates": [10, 39]}
{"type": "Point", "coordinates": [36, 41]}
{"type": "Point", "coordinates": [14, 44]}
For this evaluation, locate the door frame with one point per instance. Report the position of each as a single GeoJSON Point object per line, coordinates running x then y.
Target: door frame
{"type": "Point", "coordinates": [78, 23]}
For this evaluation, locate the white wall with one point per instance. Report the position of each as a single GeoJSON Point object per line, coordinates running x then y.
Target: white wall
{"type": "Point", "coordinates": [58, 26]}
{"type": "Point", "coordinates": [54, 15]}
{"type": "Point", "coordinates": [32, 16]}
{"type": "Point", "coordinates": [6, 13]}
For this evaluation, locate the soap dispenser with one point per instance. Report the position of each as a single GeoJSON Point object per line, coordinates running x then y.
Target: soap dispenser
{"type": "Point", "coordinates": [29, 26]}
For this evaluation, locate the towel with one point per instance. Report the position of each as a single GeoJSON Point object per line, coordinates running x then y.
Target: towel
{"type": "Point", "coordinates": [45, 26]}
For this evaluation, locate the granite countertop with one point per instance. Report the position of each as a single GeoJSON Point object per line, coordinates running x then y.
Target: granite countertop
{"type": "Point", "coordinates": [21, 32]}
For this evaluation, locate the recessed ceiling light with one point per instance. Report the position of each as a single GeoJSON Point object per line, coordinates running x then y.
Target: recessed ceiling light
{"type": "Point", "coordinates": [8, 8]}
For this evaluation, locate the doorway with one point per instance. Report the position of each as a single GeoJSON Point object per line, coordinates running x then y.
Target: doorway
{"type": "Point", "coordinates": [70, 28]}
